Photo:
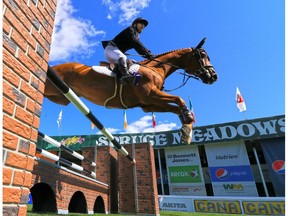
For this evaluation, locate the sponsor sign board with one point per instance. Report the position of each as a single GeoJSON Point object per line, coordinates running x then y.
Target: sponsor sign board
{"type": "Point", "coordinates": [185, 175]}
{"type": "Point", "coordinates": [264, 207]}
{"type": "Point", "coordinates": [175, 204]}
{"type": "Point", "coordinates": [230, 170]}
{"type": "Point", "coordinates": [242, 130]}
{"type": "Point", "coordinates": [217, 206]}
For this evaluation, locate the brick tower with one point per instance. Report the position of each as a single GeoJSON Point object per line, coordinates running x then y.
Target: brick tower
{"type": "Point", "coordinates": [27, 31]}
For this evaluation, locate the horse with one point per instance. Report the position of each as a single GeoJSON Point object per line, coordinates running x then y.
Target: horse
{"type": "Point", "coordinates": [148, 94]}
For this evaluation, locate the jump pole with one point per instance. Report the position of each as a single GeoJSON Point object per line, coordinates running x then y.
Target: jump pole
{"type": "Point", "coordinates": [64, 148]}
{"type": "Point", "coordinates": [73, 98]}
{"type": "Point", "coordinates": [64, 161]}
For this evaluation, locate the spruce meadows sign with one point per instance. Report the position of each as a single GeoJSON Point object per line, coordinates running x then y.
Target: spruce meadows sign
{"type": "Point", "coordinates": [243, 130]}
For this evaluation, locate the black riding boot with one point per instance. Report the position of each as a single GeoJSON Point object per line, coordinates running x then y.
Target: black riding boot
{"type": "Point", "coordinates": [123, 70]}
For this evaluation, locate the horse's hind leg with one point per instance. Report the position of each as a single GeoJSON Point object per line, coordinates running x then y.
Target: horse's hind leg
{"type": "Point", "coordinates": [59, 99]}
{"type": "Point", "coordinates": [54, 95]}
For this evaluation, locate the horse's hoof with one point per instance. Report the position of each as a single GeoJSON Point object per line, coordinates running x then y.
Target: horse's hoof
{"type": "Point", "coordinates": [186, 133]}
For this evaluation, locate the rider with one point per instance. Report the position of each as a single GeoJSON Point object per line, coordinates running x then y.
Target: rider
{"type": "Point", "coordinates": [127, 39]}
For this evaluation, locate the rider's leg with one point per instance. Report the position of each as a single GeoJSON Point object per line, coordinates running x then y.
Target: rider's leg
{"type": "Point", "coordinates": [114, 55]}
{"type": "Point", "coordinates": [123, 70]}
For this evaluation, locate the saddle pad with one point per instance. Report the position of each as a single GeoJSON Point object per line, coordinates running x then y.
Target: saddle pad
{"type": "Point", "coordinates": [106, 71]}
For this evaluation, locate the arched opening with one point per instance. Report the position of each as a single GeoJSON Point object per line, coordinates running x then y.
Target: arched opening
{"type": "Point", "coordinates": [43, 198]}
{"type": "Point", "coordinates": [78, 203]}
{"type": "Point", "coordinates": [99, 206]}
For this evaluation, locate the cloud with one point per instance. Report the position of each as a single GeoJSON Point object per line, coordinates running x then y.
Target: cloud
{"type": "Point", "coordinates": [72, 36]}
{"type": "Point", "coordinates": [144, 125]}
{"type": "Point", "coordinates": [125, 10]}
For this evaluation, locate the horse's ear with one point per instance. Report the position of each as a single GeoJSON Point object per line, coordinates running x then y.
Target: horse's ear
{"type": "Point", "coordinates": [201, 43]}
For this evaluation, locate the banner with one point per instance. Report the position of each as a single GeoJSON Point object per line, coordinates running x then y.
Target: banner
{"type": "Point", "coordinates": [185, 175]}
{"type": "Point", "coordinates": [243, 130]}
{"type": "Point", "coordinates": [274, 154]}
{"type": "Point", "coordinates": [230, 170]}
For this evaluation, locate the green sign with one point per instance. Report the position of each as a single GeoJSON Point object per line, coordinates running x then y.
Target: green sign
{"type": "Point", "coordinates": [243, 130]}
{"type": "Point", "coordinates": [184, 174]}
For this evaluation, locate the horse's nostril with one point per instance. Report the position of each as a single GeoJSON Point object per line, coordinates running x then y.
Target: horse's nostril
{"type": "Point", "coordinates": [215, 77]}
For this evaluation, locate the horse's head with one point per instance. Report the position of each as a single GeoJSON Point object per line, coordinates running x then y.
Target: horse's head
{"type": "Point", "coordinates": [202, 67]}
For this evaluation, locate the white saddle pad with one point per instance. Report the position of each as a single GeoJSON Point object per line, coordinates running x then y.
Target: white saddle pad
{"type": "Point", "coordinates": [105, 70]}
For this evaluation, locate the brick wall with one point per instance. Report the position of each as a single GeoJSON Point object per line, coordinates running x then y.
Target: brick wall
{"type": "Point", "coordinates": [147, 194]}
{"type": "Point", "coordinates": [64, 185]}
{"type": "Point", "coordinates": [107, 171]}
{"type": "Point", "coordinates": [27, 30]}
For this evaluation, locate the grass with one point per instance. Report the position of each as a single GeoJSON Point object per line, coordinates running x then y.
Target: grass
{"type": "Point", "coordinates": [162, 213]}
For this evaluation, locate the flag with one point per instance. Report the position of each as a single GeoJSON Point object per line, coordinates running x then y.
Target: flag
{"type": "Point", "coordinates": [125, 120]}
{"type": "Point", "coordinates": [59, 119]}
{"type": "Point", "coordinates": [92, 126]}
{"type": "Point", "coordinates": [240, 101]}
{"type": "Point", "coordinates": [192, 111]}
{"type": "Point", "coordinates": [153, 120]}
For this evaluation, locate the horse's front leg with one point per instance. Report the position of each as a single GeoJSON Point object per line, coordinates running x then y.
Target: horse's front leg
{"type": "Point", "coordinates": [165, 100]}
{"type": "Point", "coordinates": [186, 129]}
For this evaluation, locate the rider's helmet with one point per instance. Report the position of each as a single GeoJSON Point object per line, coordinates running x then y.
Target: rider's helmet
{"type": "Point", "coordinates": [140, 20]}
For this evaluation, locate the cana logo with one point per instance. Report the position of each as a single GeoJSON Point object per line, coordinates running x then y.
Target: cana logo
{"type": "Point", "coordinates": [221, 173]}
{"type": "Point", "coordinates": [279, 166]}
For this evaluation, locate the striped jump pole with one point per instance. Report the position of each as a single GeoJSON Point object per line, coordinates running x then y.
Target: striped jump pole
{"type": "Point", "coordinates": [64, 161]}
{"type": "Point", "coordinates": [73, 98]}
{"type": "Point", "coordinates": [65, 148]}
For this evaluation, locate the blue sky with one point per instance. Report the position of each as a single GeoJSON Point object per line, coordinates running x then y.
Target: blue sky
{"type": "Point", "coordinates": [245, 42]}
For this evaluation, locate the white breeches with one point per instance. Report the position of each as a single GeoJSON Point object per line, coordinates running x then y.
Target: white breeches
{"type": "Point", "coordinates": [113, 54]}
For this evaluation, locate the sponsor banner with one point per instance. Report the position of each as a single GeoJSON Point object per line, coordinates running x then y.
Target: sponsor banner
{"type": "Point", "coordinates": [185, 175]}
{"type": "Point", "coordinates": [238, 189]}
{"type": "Point", "coordinates": [274, 153]}
{"type": "Point", "coordinates": [195, 190]}
{"type": "Point", "coordinates": [217, 206]}
{"type": "Point", "coordinates": [231, 173]}
{"type": "Point", "coordinates": [242, 130]}
{"type": "Point", "coordinates": [230, 170]}
{"type": "Point", "coordinates": [175, 204]}
{"type": "Point", "coordinates": [227, 154]}
{"type": "Point", "coordinates": [264, 207]}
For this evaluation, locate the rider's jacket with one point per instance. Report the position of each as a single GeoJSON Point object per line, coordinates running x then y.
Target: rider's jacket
{"type": "Point", "coordinates": [129, 39]}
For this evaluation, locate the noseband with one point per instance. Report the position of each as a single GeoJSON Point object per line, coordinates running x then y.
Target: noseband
{"type": "Point", "coordinates": [203, 68]}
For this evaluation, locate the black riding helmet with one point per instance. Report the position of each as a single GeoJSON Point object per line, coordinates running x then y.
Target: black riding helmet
{"type": "Point", "coordinates": [140, 20]}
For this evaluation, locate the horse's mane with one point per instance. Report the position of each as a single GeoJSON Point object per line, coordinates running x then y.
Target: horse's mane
{"type": "Point", "coordinates": [165, 53]}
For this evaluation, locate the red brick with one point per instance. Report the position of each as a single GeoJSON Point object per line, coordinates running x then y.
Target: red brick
{"type": "Point", "coordinates": [8, 106]}
{"type": "Point", "coordinates": [16, 127]}
{"type": "Point", "coordinates": [7, 175]}
{"type": "Point", "coordinates": [24, 116]}
{"type": "Point", "coordinates": [19, 40]}
{"type": "Point", "coordinates": [22, 210]}
{"type": "Point", "coordinates": [11, 195]}
{"type": "Point", "coordinates": [10, 140]}
{"type": "Point", "coordinates": [6, 27]}
{"type": "Point", "coordinates": [10, 76]}
{"type": "Point", "coordinates": [14, 94]}
{"type": "Point", "coordinates": [17, 160]}
{"type": "Point", "coordinates": [11, 62]}
{"type": "Point", "coordinates": [22, 178]}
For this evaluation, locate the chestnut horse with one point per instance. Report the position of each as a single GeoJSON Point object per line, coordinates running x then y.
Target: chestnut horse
{"type": "Point", "coordinates": [106, 91]}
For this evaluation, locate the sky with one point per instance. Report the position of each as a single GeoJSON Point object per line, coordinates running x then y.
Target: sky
{"type": "Point", "coordinates": [245, 43]}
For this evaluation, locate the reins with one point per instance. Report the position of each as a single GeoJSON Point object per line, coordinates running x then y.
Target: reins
{"type": "Point", "coordinates": [186, 76]}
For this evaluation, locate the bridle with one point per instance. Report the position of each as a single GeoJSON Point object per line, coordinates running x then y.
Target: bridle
{"type": "Point", "coordinates": [203, 68]}
{"type": "Point", "coordinates": [186, 76]}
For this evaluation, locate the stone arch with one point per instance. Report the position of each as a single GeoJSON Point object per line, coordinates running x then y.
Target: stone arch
{"type": "Point", "coordinates": [43, 198]}
{"type": "Point", "coordinates": [78, 203]}
{"type": "Point", "coordinates": [99, 206]}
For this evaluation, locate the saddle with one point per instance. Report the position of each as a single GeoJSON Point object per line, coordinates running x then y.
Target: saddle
{"type": "Point", "coordinates": [114, 67]}
{"type": "Point", "coordinates": [131, 67]}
